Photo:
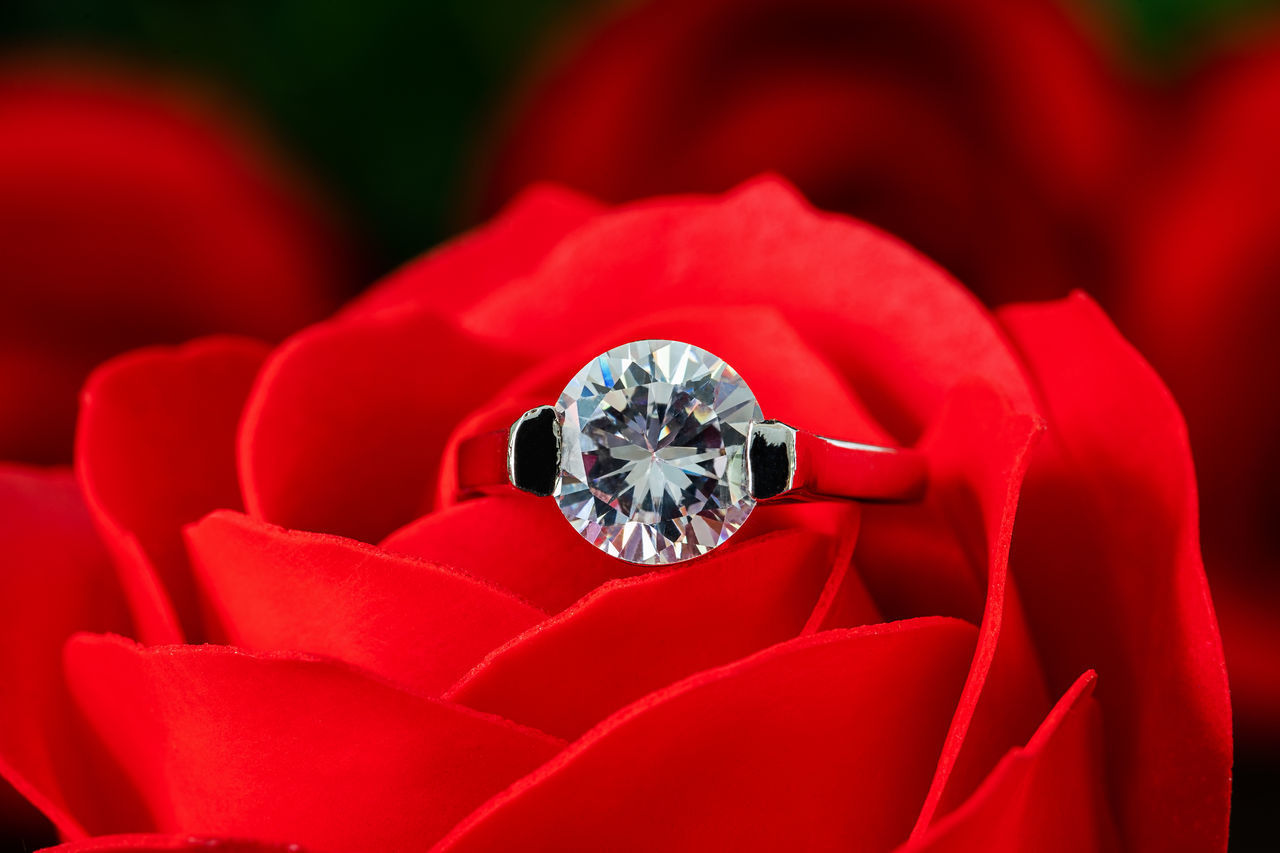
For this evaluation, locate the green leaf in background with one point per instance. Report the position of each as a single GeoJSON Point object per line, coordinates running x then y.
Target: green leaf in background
{"type": "Point", "coordinates": [1167, 33]}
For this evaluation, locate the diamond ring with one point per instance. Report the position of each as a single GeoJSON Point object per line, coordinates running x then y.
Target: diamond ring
{"type": "Point", "coordinates": [657, 452]}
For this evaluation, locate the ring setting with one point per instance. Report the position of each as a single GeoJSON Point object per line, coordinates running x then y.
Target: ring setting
{"type": "Point", "coordinates": [657, 452]}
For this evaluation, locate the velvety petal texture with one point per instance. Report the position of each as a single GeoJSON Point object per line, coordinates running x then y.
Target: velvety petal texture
{"type": "Point", "coordinates": [757, 755]}
{"type": "Point", "coordinates": [55, 580]}
{"type": "Point", "coordinates": [634, 636]}
{"type": "Point", "coordinates": [1046, 796]}
{"type": "Point", "coordinates": [290, 748]}
{"type": "Point", "coordinates": [344, 430]}
{"type": "Point", "coordinates": [156, 843]}
{"type": "Point", "coordinates": [902, 340]}
{"type": "Point", "coordinates": [155, 450]}
{"type": "Point", "coordinates": [419, 624]}
{"type": "Point", "coordinates": [979, 456]}
{"type": "Point", "coordinates": [309, 636]}
{"type": "Point", "coordinates": [1027, 147]}
{"type": "Point", "coordinates": [1123, 587]}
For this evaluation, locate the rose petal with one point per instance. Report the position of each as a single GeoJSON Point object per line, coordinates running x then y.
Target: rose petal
{"type": "Point", "coordinates": [894, 325]}
{"type": "Point", "coordinates": [510, 245]}
{"type": "Point", "coordinates": [57, 580]}
{"type": "Point", "coordinates": [154, 843]}
{"type": "Point", "coordinates": [825, 742]}
{"type": "Point", "coordinates": [155, 450]}
{"type": "Point", "coordinates": [845, 601]}
{"type": "Point", "coordinates": [418, 624]}
{"type": "Point", "coordinates": [538, 556]}
{"type": "Point", "coordinates": [344, 431]}
{"type": "Point", "coordinates": [757, 341]}
{"type": "Point", "coordinates": [978, 457]}
{"type": "Point", "coordinates": [1047, 796]}
{"type": "Point", "coordinates": [633, 636]}
{"type": "Point", "coordinates": [1114, 580]}
{"type": "Point", "coordinates": [290, 749]}
{"type": "Point", "coordinates": [1247, 599]}
{"type": "Point", "coordinates": [932, 556]}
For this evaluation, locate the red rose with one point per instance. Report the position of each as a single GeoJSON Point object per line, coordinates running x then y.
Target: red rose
{"type": "Point", "coordinates": [132, 212]}
{"type": "Point", "coordinates": [1003, 140]}
{"type": "Point", "coordinates": [391, 671]}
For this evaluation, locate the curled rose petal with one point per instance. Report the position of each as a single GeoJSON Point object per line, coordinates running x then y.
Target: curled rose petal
{"type": "Point", "coordinates": [344, 431]}
{"type": "Point", "coordinates": [902, 338]}
{"type": "Point", "coordinates": [57, 579]}
{"type": "Point", "coordinates": [155, 450]}
{"type": "Point", "coordinates": [759, 342]}
{"type": "Point", "coordinates": [415, 623]}
{"type": "Point", "coordinates": [633, 636]}
{"type": "Point", "coordinates": [1113, 578]}
{"type": "Point", "coordinates": [360, 406]}
{"type": "Point", "coordinates": [979, 452]}
{"type": "Point", "coordinates": [541, 558]}
{"type": "Point", "coordinates": [1047, 796]}
{"type": "Point", "coordinates": [335, 760]}
{"type": "Point", "coordinates": [829, 738]}
{"type": "Point", "coordinates": [156, 843]}
{"type": "Point", "coordinates": [538, 556]}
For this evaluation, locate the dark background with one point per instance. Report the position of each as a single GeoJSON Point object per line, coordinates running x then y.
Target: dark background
{"type": "Point", "coordinates": [390, 104]}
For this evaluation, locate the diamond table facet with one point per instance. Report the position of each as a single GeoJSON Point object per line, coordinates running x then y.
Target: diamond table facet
{"type": "Point", "coordinates": [653, 451]}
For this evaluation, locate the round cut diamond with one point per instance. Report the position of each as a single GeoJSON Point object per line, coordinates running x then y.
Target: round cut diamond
{"type": "Point", "coordinates": [653, 451]}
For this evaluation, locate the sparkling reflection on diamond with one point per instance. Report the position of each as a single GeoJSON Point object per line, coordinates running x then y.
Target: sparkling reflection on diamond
{"type": "Point", "coordinates": [653, 454]}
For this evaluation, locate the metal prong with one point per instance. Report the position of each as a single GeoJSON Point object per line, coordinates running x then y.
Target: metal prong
{"type": "Point", "coordinates": [533, 451]}
{"type": "Point", "coordinates": [771, 459]}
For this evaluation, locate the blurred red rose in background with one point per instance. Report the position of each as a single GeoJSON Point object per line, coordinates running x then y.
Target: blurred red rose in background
{"type": "Point", "coordinates": [390, 669]}
{"type": "Point", "coordinates": [986, 133]}
{"type": "Point", "coordinates": [134, 211]}
{"type": "Point", "coordinates": [1003, 139]}
{"type": "Point", "coordinates": [1197, 286]}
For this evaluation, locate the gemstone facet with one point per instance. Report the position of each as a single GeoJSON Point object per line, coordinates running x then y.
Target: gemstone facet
{"type": "Point", "coordinates": [653, 463]}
